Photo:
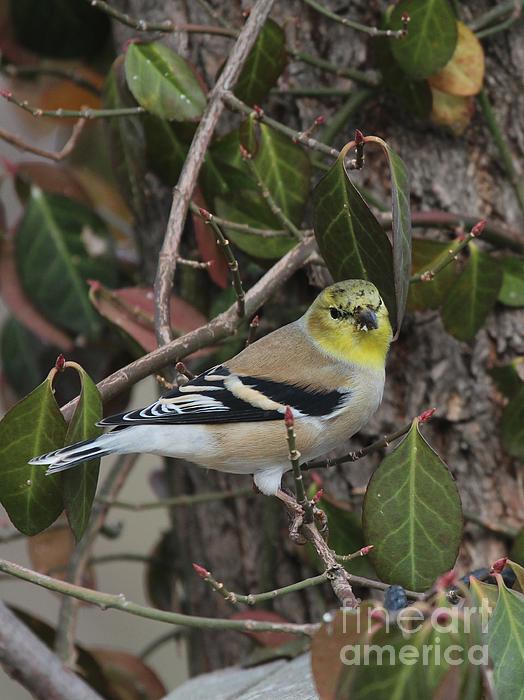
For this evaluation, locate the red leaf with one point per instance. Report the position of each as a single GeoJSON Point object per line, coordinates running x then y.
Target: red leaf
{"type": "Point", "coordinates": [129, 675]}
{"type": "Point", "coordinates": [53, 178]}
{"type": "Point", "coordinates": [265, 639]}
{"type": "Point", "coordinates": [20, 306]}
{"type": "Point", "coordinates": [132, 309]}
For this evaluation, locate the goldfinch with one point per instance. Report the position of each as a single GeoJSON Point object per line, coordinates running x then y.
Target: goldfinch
{"type": "Point", "coordinates": [328, 366]}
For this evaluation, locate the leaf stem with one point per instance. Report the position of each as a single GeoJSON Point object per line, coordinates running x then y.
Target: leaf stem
{"type": "Point", "coordinates": [370, 31]}
{"type": "Point", "coordinates": [119, 601]}
{"type": "Point", "coordinates": [245, 228]}
{"type": "Point", "coordinates": [504, 150]}
{"type": "Point", "coordinates": [84, 113]}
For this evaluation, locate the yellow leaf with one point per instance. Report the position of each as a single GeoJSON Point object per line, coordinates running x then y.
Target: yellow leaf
{"type": "Point", "coordinates": [451, 111]}
{"type": "Point", "coordinates": [463, 74]}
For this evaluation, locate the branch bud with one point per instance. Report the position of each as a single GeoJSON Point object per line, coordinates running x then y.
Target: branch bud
{"type": "Point", "coordinates": [259, 112]}
{"type": "Point", "coordinates": [60, 363]}
{"type": "Point", "coordinates": [446, 580]}
{"type": "Point", "coordinates": [426, 415]}
{"type": "Point", "coordinates": [320, 120]}
{"type": "Point", "coordinates": [478, 228]}
{"type": "Point", "coordinates": [288, 418]}
{"type": "Point", "coordinates": [203, 573]}
{"type": "Point", "coordinates": [205, 214]}
{"type": "Point", "coordinates": [498, 566]}
{"type": "Point", "coordinates": [359, 137]}
{"type": "Point", "coordinates": [316, 498]}
{"type": "Point", "coordinates": [366, 550]}
{"type": "Point", "coordinates": [246, 155]}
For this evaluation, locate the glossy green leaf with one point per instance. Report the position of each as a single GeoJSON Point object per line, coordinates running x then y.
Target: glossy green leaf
{"type": "Point", "coordinates": [517, 567]}
{"type": "Point", "coordinates": [411, 666]}
{"type": "Point", "coordinates": [431, 37]}
{"type": "Point", "coordinates": [265, 62]}
{"type": "Point", "coordinates": [163, 82]}
{"type": "Point", "coordinates": [484, 597]}
{"type": "Point", "coordinates": [126, 138]}
{"type": "Point", "coordinates": [508, 378]}
{"type": "Point", "coordinates": [512, 290]}
{"type": "Point", "coordinates": [412, 515]}
{"type": "Point", "coordinates": [284, 169]}
{"type": "Point", "coordinates": [32, 427]}
{"type": "Point", "coordinates": [472, 296]}
{"type": "Point", "coordinates": [19, 358]}
{"type": "Point", "coordinates": [426, 256]}
{"type": "Point", "coordinates": [59, 245]}
{"type": "Point", "coordinates": [167, 145]}
{"type": "Point", "coordinates": [350, 239]}
{"type": "Point", "coordinates": [512, 427]}
{"type": "Point", "coordinates": [248, 207]}
{"type": "Point", "coordinates": [506, 644]}
{"type": "Point", "coordinates": [79, 484]}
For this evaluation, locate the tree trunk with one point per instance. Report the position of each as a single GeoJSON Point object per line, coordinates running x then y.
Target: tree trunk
{"type": "Point", "coordinates": [244, 542]}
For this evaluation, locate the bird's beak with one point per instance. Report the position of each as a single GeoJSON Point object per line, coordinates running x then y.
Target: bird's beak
{"type": "Point", "coordinates": [367, 320]}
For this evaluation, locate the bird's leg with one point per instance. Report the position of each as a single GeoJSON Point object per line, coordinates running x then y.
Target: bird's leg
{"type": "Point", "coordinates": [296, 514]}
{"type": "Point", "coordinates": [321, 521]}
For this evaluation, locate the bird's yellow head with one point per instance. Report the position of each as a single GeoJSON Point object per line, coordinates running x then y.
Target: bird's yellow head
{"type": "Point", "coordinates": [350, 321]}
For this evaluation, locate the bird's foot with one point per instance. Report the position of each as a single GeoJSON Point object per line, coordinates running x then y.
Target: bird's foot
{"type": "Point", "coordinates": [321, 522]}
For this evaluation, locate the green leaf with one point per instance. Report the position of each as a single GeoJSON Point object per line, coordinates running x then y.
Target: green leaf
{"type": "Point", "coordinates": [512, 290]}
{"type": "Point", "coordinates": [32, 427]}
{"type": "Point", "coordinates": [126, 138]}
{"type": "Point", "coordinates": [79, 484]}
{"type": "Point", "coordinates": [53, 244]}
{"type": "Point", "coordinates": [18, 357]}
{"type": "Point", "coordinates": [284, 169]}
{"type": "Point", "coordinates": [412, 515]}
{"type": "Point", "coordinates": [472, 296]}
{"type": "Point", "coordinates": [517, 569]}
{"type": "Point", "coordinates": [167, 146]}
{"type": "Point", "coordinates": [426, 256]}
{"type": "Point", "coordinates": [248, 207]}
{"type": "Point", "coordinates": [484, 596]}
{"type": "Point", "coordinates": [163, 82]}
{"type": "Point", "coordinates": [507, 377]}
{"type": "Point", "coordinates": [350, 239]}
{"type": "Point", "coordinates": [431, 37]}
{"type": "Point", "coordinates": [506, 644]}
{"type": "Point", "coordinates": [512, 427]}
{"type": "Point", "coordinates": [265, 62]}
{"type": "Point", "coordinates": [411, 666]}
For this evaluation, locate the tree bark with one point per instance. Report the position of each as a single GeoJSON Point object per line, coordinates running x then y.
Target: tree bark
{"type": "Point", "coordinates": [245, 542]}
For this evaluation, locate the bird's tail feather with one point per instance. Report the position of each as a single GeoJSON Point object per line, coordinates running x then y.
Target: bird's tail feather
{"type": "Point", "coordinates": [72, 455]}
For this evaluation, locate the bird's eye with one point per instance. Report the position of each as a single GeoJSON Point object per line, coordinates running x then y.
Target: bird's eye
{"type": "Point", "coordinates": [335, 313]}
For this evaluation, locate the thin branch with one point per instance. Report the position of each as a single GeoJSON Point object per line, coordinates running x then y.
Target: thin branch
{"type": "Point", "coordinates": [166, 26]}
{"type": "Point", "coordinates": [294, 458]}
{"type": "Point", "coordinates": [57, 156]}
{"type": "Point", "coordinates": [315, 92]}
{"type": "Point", "coordinates": [232, 262]}
{"type": "Point", "coordinates": [34, 666]}
{"type": "Point", "coordinates": [119, 601]}
{"type": "Point", "coordinates": [220, 327]}
{"type": "Point", "coordinates": [44, 68]}
{"type": "Point", "coordinates": [195, 157]}
{"type": "Point", "coordinates": [491, 16]}
{"type": "Point", "coordinates": [355, 555]}
{"type": "Point", "coordinates": [506, 158]}
{"type": "Point", "coordinates": [456, 247]}
{"type": "Point", "coordinates": [84, 113]}
{"type": "Point", "coordinates": [496, 28]}
{"type": "Point", "coordinates": [496, 234]}
{"type": "Point", "coordinates": [254, 598]}
{"type": "Point", "coordinates": [377, 445]}
{"type": "Point", "coordinates": [195, 264]}
{"type": "Point", "coordinates": [67, 618]}
{"type": "Point", "coordinates": [370, 31]}
{"type": "Point", "coordinates": [181, 501]}
{"type": "Point", "coordinates": [238, 106]}
{"type": "Point", "coordinates": [245, 228]}
{"type": "Point", "coordinates": [268, 197]}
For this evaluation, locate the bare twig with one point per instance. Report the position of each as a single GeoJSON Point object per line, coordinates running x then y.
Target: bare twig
{"type": "Point", "coordinates": [270, 200]}
{"type": "Point", "coordinates": [180, 501]}
{"type": "Point", "coordinates": [369, 79]}
{"type": "Point", "coordinates": [238, 106]}
{"type": "Point", "coordinates": [359, 553]}
{"type": "Point", "coordinates": [33, 665]}
{"type": "Point", "coordinates": [57, 156]}
{"type": "Point", "coordinates": [195, 157]}
{"type": "Point", "coordinates": [254, 598]}
{"type": "Point", "coordinates": [118, 601]}
{"type": "Point", "coordinates": [220, 327]}
{"type": "Point", "coordinates": [84, 113]}
{"type": "Point", "coordinates": [294, 458]}
{"type": "Point", "coordinates": [232, 262]}
{"type": "Point", "coordinates": [195, 264]}
{"type": "Point", "coordinates": [245, 228]}
{"type": "Point", "coordinates": [66, 628]}
{"type": "Point", "coordinates": [352, 24]}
